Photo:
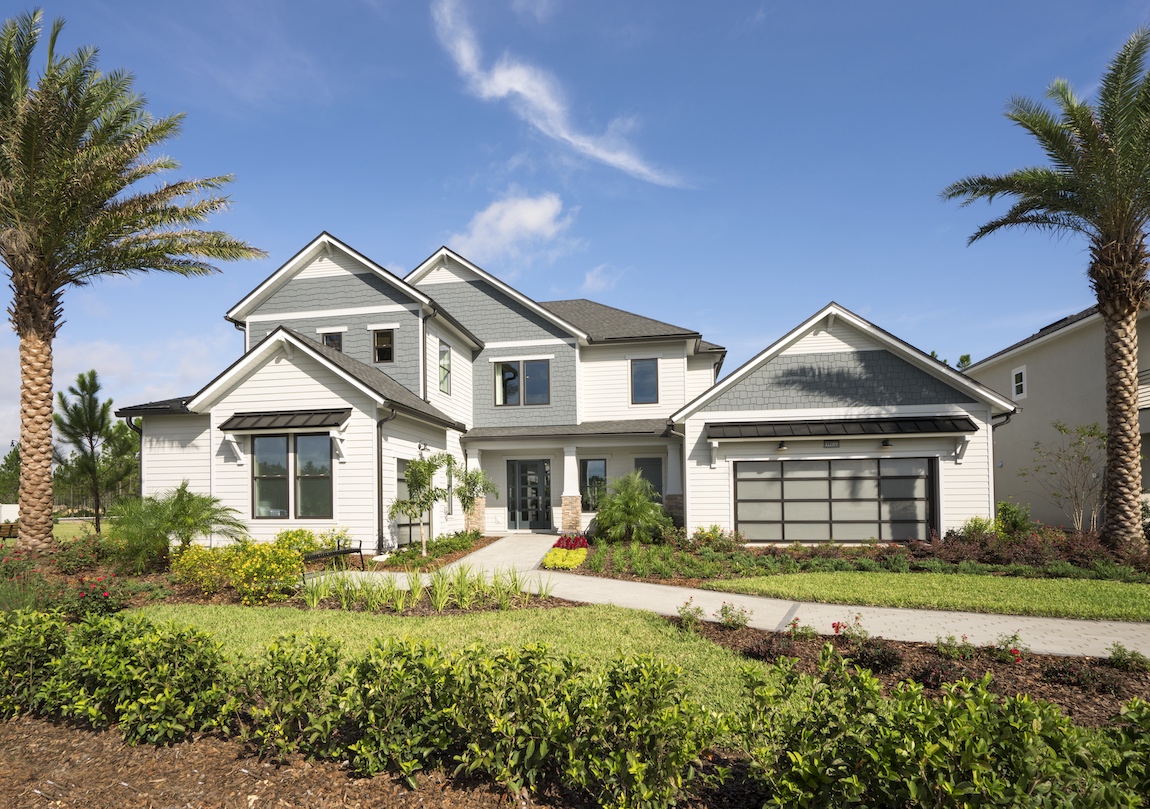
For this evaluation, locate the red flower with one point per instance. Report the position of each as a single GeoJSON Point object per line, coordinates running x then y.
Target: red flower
{"type": "Point", "coordinates": [105, 594]}
{"type": "Point", "coordinates": [81, 594]}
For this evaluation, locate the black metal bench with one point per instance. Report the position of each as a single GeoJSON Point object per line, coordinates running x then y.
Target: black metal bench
{"type": "Point", "coordinates": [338, 550]}
{"type": "Point", "coordinates": [9, 530]}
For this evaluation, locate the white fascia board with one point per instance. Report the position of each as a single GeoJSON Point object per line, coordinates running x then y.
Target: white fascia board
{"type": "Point", "coordinates": [883, 338]}
{"type": "Point", "coordinates": [433, 260]}
{"type": "Point", "coordinates": [1063, 332]}
{"type": "Point", "coordinates": [296, 263]}
{"type": "Point", "coordinates": [206, 398]}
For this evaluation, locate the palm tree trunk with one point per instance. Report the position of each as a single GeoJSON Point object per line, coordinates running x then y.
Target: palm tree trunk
{"type": "Point", "coordinates": [1122, 529]}
{"type": "Point", "coordinates": [35, 442]}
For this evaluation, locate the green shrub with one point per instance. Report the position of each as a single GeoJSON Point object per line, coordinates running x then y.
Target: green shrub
{"type": "Point", "coordinates": [27, 591]}
{"type": "Point", "coordinates": [29, 642]}
{"type": "Point", "coordinates": [91, 596]}
{"type": "Point", "coordinates": [444, 544]}
{"type": "Point", "coordinates": [157, 682]}
{"type": "Point", "coordinates": [1129, 740]}
{"type": "Point", "coordinates": [560, 559]}
{"type": "Point", "coordinates": [82, 553]}
{"type": "Point", "coordinates": [264, 572]}
{"type": "Point", "coordinates": [1075, 673]}
{"type": "Point", "coordinates": [1125, 659]}
{"type": "Point", "coordinates": [630, 510]}
{"type": "Point", "coordinates": [209, 569]}
{"type": "Point", "coordinates": [1013, 519]}
{"type": "Point", "coordinates": [300, 540]}
{"type": "Point", "coordinates": [953, 649]}
{"type": "Point", "coordinates": [293, 698]}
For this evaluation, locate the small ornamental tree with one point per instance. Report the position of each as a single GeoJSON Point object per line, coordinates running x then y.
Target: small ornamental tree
{"type": "Point", "coordinates": [1071, 470]}
{"type": "Point", "coordinates": [422, 493]}
{"type": "Point", "coordinates": [469, 486]}
{"type": "Point", "coordinates": [85, 423]}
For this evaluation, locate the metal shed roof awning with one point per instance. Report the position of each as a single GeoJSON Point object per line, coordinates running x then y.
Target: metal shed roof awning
{"type": "Point", "coordinates": [286, 420]}
{"type": "Point", "coordinates": [842, 428]}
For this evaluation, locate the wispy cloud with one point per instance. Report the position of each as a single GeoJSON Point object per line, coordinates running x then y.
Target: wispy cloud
{"type": "Point", "coordinates": [516, 227]}
{"type": "Point", "coordinates": [538, 10]}
{"type": "Point", "coordinates": [598, 279]}
{"type": "Point", "coordinates": [537, 98]}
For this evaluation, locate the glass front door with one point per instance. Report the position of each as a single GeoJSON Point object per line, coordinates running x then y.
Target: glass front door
{"type": "Point", "coordinates": [529, 495]}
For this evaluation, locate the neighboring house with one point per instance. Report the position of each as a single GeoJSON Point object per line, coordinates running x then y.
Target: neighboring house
{"type": "Point", "coordinates": [349, 372]}
{"type": "Point", "coordinates": [1056, 374]}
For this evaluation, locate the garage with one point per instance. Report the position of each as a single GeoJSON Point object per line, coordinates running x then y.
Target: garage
{"type": "Point", "coordinates": [840, 499]}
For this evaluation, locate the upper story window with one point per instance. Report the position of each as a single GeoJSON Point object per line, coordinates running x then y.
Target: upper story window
{"type": "Point", "coordinates": [645, 381]}
{"type": "Point", "coordinates": [525, 382]}
{"type": "Point", "coordinates": [1018, 383]}
{"type": "Point", "coordinates": [383, 345]}
{"type": "Point", "coordinates": [444, 368]}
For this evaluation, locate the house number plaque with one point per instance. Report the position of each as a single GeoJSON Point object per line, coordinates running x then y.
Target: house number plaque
{"type": "Point", "coordinates": [830, 444]}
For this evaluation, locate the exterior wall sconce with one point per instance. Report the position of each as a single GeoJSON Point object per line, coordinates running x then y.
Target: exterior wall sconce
{"type": "Point", "coordinates": [885, 445]}
{"type": "Point", "coordinates": [782, 446]}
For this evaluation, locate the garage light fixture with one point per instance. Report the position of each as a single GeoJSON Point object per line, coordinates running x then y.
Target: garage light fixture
{"type": "Point", "coordinates": [782, 446]}
{"type": "Point", "coordinates": [885, 445]}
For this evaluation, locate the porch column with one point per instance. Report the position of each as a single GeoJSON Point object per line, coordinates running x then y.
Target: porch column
{"type": "Point", "coordinates": [477, 519]}
{"type": "Point", "coordinates": [673, 499]}
{"type": "Point", "coordinates": [572, 513]}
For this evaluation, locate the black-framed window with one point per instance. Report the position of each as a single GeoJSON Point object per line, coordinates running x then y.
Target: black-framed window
{"type": "Point", "coordinates": [592, 482]}
{"type": "Point", "coordinates": [525, 382]}
{"type": "Point", "coordinates": [383, 345]}
{"type": "Point", "coordinates": [313, 483]}
{"type": "Point", "coordinates": [652, 471]}
{"type": "Point", "coordinates": [851, 500]}
{"type": "Point", "coordinates": [270, 477]}
{"type": "Point", "coordinates": [444, 368]}
{"type": "Point", "coordinates": [645, 381]}
{"type": "Point", "coordinates": [333, 339]}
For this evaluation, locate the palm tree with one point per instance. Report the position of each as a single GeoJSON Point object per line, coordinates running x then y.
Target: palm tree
{"type": "Point", "coordinates": [1097, 185]}
{"type": "Point", "coordinates": [72, 150]}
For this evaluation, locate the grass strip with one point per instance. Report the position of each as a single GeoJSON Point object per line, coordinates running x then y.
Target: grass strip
{"type": "Point", "coordinates": [1054, 598]}
{"type": "Point", "coordinates": [595, 633]}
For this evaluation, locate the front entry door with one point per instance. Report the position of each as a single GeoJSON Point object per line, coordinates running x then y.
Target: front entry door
{"type": "Point", "coordinates": [529, 495]}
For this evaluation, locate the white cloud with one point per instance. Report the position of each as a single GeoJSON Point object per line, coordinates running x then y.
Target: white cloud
{"type": "Point", "coordinates": [597, 279]}
{"type": "Point", "coordinates": [517, 227]}
{"type": "Point", "coordinates": [536, 97]}
{"type": "Point", "coordinates": [539, 10]}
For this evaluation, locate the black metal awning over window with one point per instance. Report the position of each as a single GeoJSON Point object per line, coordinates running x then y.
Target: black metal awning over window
{"type": "Point", "coordinates": [286, 420]}
{"type": "Point", "coordinates": [842, 427]}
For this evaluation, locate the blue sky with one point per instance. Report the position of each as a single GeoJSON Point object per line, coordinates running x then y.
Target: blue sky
{"type": "Point", "coordinates": [730, 167]}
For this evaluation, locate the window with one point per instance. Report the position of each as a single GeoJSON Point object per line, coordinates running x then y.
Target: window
{"type": "Point", "coordinates": [313, 477]}
{"type": "Point", "coordinates": [407, 531]}
{"type": "Point", "coordinates": [333, 339]}
{"type": "Point", "coordinates": [273, 493]}
{"type": "Point", "coordinates": [652, 470]}
{"type": "Point", "coordinates": [269, 476]}
{"type": "Point", "coordinates": [645, 381]}
{"type": "Point", "coordinates": [532, 378]}
{"type": "Point", "coordinates": [444, 368]}
{"type": "Point", "coordinates": [592, 482]}
{"type": "Point", "coordinates": [383, 345]}
{"type": "Point", "coordinates": [1018, 383]}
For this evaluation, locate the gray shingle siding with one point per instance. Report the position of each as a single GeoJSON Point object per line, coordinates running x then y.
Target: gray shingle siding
{"type": "Point", "coordinates": [562, 407]}
{"type": "Point", "coordinates": [840, 379]}
{"type": "Point", "coordinates": [357, 340]}
{"type": "Point", "coordinates": [332, 292]}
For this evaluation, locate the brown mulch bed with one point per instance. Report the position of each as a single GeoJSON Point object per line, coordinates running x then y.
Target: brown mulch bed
{"type": "Point", "coordinates": [1084, 707]}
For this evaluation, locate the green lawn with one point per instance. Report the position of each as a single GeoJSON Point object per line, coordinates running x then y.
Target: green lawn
{"type": "Point", "coordinates": [1058, 598]}
{"type": "Point", "coordinates": [66, 531]}
{"type": "Point", "coordinates": [597, 633]}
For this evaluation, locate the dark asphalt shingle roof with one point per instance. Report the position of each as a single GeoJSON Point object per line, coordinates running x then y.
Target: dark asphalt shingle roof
{"type": "Point", "coordinates": [1057, 325]}
{"type": "Point", "coordinates": [163, 406]}
{"type": "Point", "coordinates": [395, 393]}
{"type": "Point", "coordinates": [608, 323]}
{"type": "Point", "coordinates": [651, 427]}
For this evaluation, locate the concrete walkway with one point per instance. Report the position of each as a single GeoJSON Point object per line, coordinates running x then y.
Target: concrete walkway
{"type": "Point", "coordinates": [1059, 636]}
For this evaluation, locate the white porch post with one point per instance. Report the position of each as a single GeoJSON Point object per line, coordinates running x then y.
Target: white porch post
{"type": "Point", "coordinates": [572, 502]}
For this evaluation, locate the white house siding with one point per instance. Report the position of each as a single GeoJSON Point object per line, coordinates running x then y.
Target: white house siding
{"type": "Point", "coordinates": [823, 340]}
{"type": "Point", "coordinates": [300, 384]}
{"type": "Point", "coordinates": [964, 488]}
{"type": "Point", "coordinates": [700, 374]}
{"type": "Point", "coordinates": [458, 403]}
{"type": "Point", "coordinates": [605, 376]}
{"type": "Point", "coordinates": [402, 438]}
{"type": "Point", "coordinates": [175, 449]}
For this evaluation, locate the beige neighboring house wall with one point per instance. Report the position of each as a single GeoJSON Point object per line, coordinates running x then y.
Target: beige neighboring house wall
{"type": "Point", "coordinates": [9, 512]}
{"type": "Point", "coordinates": [1064, 380]}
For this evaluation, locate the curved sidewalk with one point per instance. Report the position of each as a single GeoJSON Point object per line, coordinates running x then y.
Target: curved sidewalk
{"type": "Point", "coordinates": [1060, 636]}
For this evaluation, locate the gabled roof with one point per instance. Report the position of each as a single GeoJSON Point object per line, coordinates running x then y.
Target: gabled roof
{"type": "Point", "coordinates": [175, 406]}
{"type": "Point", "coordinates": [317, 246]}
{"type": "Point", "coordinates": [436, 258]}
{"type": "Point", "coordinates": [1082, 317]}
{"type": "Point", "coordinates": [375, 383]}
{"type": "Point", "coordinates": [900, 348]}
{"type": "Point", "coordinates": [605, 323]}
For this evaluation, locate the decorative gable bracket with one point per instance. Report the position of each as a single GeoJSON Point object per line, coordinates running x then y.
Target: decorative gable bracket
{"type": "Point", "coordinates": [235, 444]}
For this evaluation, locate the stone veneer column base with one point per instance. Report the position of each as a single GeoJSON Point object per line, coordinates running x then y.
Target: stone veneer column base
{"type": "Point", "coordinates": [477, 520]}
{"type": "Point", "coordinates": [673, 503]}
{"type": "Point", "coordinates": [572, 518]}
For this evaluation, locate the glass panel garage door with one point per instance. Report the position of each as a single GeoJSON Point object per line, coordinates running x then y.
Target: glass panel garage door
{"type": "Point", "coordinates": [888, 499]}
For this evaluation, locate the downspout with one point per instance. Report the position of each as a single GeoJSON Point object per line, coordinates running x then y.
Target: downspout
{"type": "Point", "coordinates": [140, 432]}
{"type": "Point", "coordinates": [1004, 422]}
{"type": "Point", "coordinates": [379, 483]}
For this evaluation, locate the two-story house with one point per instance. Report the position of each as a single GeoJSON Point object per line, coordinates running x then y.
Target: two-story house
{"type": "Point", "coordinates": [837, 431]}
